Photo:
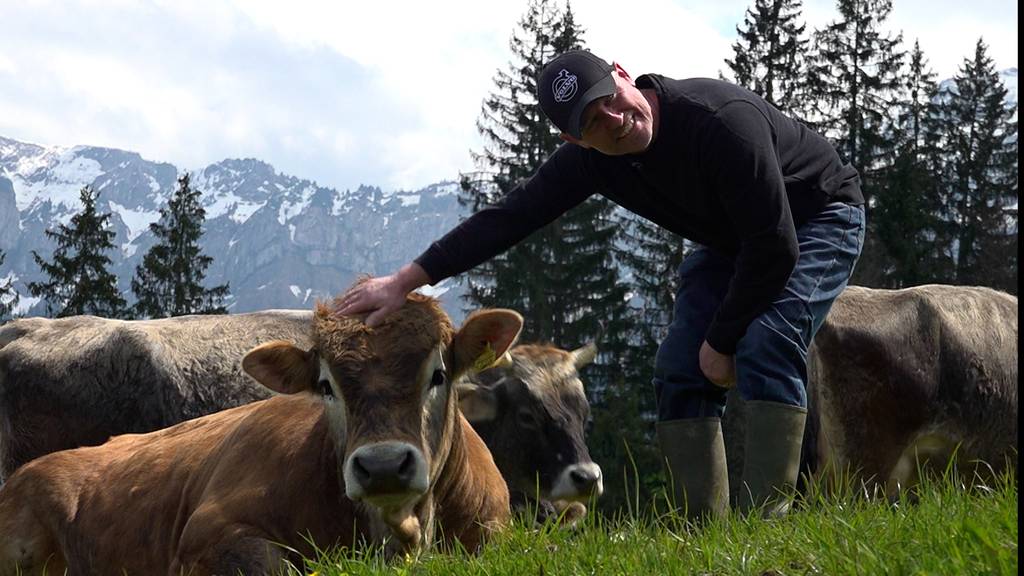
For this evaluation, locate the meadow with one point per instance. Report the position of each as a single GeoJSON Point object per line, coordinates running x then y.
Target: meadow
{"type": "Point", "coordinates": [941, 528]}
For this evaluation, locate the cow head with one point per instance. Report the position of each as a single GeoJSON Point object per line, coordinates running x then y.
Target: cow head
{"type": "Point", "coordinates": [531, 411]}
{"type": "Point", "coordinates": [388, 397]}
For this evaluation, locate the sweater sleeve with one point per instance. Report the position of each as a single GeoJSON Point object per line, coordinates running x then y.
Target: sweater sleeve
{"type": "Point", "coordinates": [744, 167]}
{"type": "Point", "coordinates": [558, 185]}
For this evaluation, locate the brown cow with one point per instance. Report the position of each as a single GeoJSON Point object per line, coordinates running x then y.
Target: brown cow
{"type": "Point", "coordinates": [368, 443]}
{"type": "Point", "coordinates": [901, 376]}
{"type": "Point", "coordinates": [531, 412]}
{"type": "Point", "coordinates": [71, 382]}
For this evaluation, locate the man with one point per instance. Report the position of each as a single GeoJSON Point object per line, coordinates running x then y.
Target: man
{"type": "Point", "coordinates": [780, 224]}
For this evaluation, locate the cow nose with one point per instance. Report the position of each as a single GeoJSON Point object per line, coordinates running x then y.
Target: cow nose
{"type": "Point", "coordinates": [386, 468]}
{"type": "Point", "coordinates": [585, 478]}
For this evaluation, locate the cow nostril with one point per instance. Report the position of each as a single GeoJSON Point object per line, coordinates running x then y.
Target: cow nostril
{"type": "Point", "coordinates": [407, 469]}
{"type": "Point", "coordinates": [583, 478]}
{"type": "Point", "coordinates": [361, 473]}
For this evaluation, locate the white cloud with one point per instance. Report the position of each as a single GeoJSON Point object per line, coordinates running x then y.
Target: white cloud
{"type": "Point", "coordinates": [384, 93]}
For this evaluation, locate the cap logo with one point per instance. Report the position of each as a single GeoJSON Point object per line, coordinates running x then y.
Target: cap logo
{"type": "Point", "coordinates": [564, 86]}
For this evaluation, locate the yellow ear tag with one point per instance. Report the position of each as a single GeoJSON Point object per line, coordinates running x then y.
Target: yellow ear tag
{"type": "Point", "coordinates": [485, 359]}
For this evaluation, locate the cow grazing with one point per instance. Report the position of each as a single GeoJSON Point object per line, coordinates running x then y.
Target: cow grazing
{"type": "Point", "coordinates": [76, 381]}
{"type": "Point", "coordinates": [365, 442]}
{"type": "Point", "coordinates": [531, 411]}
{"type": "Point", "coordinates": [902, 376]}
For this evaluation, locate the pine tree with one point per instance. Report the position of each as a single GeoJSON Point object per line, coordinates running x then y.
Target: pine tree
{"type": "Point", "coordinates": [980, 189]}
{"type": "Point", "coordinates": [853, 82]}
{"type": "Point", "coordinates": [769, 56]}
{"type": "Point", "coordinates": [906, 216]}
{"type": "Point", "coordinates": [559, 276]}
{"type": "Point", "coordinates": [8, 295]}
{"type": "Point", "coordinates": [79, 280]}
{"type": "Point", "coordinates": [563, 278]}
{"type": "Point", "coordinates": [169, 282]}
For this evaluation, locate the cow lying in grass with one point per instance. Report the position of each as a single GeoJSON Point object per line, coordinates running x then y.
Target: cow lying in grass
{"type": "Point", "coordinates": [71, 382]}
{"type": "Point", "coordinates": [532, 410]}
{"type": "Point", "coordinates": [365, 445]}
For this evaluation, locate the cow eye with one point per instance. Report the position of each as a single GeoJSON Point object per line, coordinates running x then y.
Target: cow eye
{"type": "Point", "coordinates": [325, 388]}
{"type": "Point", "coordinates": [526, 419]}
{"type": "Point", "coordinates": [439, 378]}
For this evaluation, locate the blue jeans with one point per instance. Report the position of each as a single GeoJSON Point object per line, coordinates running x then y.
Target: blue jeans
{"type": "Point", "coordinates": [771, 358]}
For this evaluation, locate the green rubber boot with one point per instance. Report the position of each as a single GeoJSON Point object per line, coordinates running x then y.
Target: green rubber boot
{"type": "Point", "coordinates": [694, 453]}
{"type": "Point", "coordinates": [771, 459]}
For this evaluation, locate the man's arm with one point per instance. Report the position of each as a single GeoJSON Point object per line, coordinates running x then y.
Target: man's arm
{"type": "Point", "coordinates": [750, 182]}
{"type": "Point", "coordinates": [558, 185]}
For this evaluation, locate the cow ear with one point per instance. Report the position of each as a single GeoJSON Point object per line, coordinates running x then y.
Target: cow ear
{"type": "Point", "coordinates": [282, 367]}
{"type": "Point", "coordinates": [483, 339]}
{"type": "Point", "coordinates": [584, 355]}
{"type": "Point", "coordinates": [477, 403]}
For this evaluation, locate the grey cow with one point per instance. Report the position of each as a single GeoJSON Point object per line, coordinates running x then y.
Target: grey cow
{"type": "Point", "coordinates": [901, 376]}
{"type": "Point", "coordinates": [77, 381]}
{"type": "Point", "coordinates": [532, 413]}
{"type": "Point", "coordinates": [898, 377]}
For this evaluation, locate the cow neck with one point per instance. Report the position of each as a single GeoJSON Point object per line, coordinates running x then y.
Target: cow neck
{"type": "Point", "coordinates": [466, 493]}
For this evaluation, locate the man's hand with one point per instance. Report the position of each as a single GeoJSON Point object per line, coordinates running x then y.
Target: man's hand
{"type": "Point", "coordinates": [717, 367]}
{"type": "Point", "coordinates": [381, 296]}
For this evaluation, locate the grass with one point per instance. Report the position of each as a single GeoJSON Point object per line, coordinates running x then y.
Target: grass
{"type": "Point", "coordinates": [943, 529]}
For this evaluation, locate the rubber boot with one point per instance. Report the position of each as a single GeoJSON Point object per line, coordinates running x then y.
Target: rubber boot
{"type": "Point", "coordinates": [771, 459]}
{"type": "Point", "coordinates": [695, 455]}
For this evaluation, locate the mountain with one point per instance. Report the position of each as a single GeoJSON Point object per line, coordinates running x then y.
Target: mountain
{"type": "Point", "coordinates": [279, 241]}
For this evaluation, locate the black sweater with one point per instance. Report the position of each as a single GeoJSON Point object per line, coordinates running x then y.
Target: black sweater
{"type": "Point", "coordinates": [726, 170]}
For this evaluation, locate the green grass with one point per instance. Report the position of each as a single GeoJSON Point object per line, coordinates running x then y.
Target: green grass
{"type": "Point", "coordinates": [945, 530]}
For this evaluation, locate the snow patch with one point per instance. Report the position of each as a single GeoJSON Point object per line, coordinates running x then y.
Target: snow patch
{"type": "Point", "coordinates": [410, 200]}
{"type": "Point", "coordinates": [129, 249]}
{"type": "Point", "coordinates": [297, 292]}
{"type": "Point", "coordinates": [136, 220]}
{"type": "Point", "coordinates": [230, 204]}
{"type": "Point", "coordinates": [289, 210]}
{"type": "Point", "coordinates": [25, 304]}
{"type": "Point", "coordinates": [66, 178]}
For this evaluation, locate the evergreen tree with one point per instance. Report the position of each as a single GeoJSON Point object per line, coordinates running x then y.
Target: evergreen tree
{"type": "Point", "coordinates": [79, 280]}
{"type": "Point", "coordinates": [853, 81]}
{"type": "Point", "coordinates": [980, 189]}
{"type": "Point", "coordinates": [8, 295]}
{"type": "Point", "coordinates": [563, 278]}
{"type": "Point", "coordinates": [906, 218]}
{"type": "Point", "coordinates": [770, 52]}
{"type": "Point", "coordinates": [169, 282]}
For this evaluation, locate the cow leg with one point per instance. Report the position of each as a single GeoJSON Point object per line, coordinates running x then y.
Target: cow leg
{"type": "Point", "coordinates": [26, 546]}
{"type": "Point", "coordinates": [244, 550]}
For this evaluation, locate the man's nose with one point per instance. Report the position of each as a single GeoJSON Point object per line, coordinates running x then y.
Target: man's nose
{"type": "Point", "coordinates": [606, 113]}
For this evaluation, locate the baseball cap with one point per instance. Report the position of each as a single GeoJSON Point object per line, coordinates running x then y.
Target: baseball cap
{"type": "Point", "coordinates": [568, 83]}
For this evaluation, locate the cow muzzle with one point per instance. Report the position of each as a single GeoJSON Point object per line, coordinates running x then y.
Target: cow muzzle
{"type": "Point", "coordinates": [386, 474]}
{"type": "Point", "coordinates": [578, 482]}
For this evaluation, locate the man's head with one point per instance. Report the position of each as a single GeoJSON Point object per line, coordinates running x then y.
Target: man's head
{"type": "Point", "coordinates": [596, 104]}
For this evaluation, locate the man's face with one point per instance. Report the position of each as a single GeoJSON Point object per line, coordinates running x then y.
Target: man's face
{"type": "Point", "coordinates": [622, 123]}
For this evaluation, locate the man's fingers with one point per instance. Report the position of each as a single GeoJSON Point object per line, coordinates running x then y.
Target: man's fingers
{"type": "Point", "coordinates": [376, 317]}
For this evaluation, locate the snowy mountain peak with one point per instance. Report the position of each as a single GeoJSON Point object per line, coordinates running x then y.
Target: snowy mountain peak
{"type": "Point", "coordinates": [280, 241]}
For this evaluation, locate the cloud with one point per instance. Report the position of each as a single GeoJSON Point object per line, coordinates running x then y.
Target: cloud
{"type": "Point", "coordinates": [385, 93]}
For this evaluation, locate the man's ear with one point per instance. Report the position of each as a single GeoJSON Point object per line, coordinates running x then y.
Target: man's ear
{"type": "Point", "coordinates": [483, 340]}
{"type": "Point", "coordinates": [573, 140]}
{"type": "Point", "coordinates": [477, 403]}
{"type": "Point", "coordinates": [621, 72]}
{"type": "Point", "coordinates": [282, 367]}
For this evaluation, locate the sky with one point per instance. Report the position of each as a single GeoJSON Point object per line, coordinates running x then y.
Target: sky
{"type": "Point", "coordinates": [379, 92]}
